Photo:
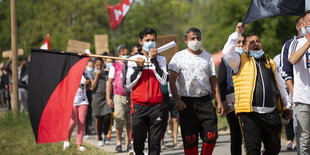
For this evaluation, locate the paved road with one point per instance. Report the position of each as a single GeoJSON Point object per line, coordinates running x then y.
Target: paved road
{"type": "Point", "coordinates": [222, 146]}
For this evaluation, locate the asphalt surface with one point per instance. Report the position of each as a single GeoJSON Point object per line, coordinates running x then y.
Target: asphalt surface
{"type": "Point", "coordinates": [222, 146]}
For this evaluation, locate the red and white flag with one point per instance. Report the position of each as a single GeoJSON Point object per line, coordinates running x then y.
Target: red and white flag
{"type": "Point", "coordinates": [118, 12]}
{"type": "Point", "coordinates": [46, 44]}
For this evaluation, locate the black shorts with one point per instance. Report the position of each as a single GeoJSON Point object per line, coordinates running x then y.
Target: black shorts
{"type": "Point", "coordinates": [4, 93]}
{"type": "Point", "coordinates": [172, 106]}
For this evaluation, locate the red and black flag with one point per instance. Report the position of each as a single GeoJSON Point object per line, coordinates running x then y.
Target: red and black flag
{"type": "Point", "coordinates": [118, 12]}
{"type": "Point", "coordinates": [54, 78]}
{"type": "Point", "coordinates": [270, 8]}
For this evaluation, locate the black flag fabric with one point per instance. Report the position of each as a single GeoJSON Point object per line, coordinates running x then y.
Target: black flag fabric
{"type": "Point", "coordinates": [54, 78]}
{"type": "Point", "coordinates": [270, 8]}
{"type": "Point", "coordinates": [295, 6]}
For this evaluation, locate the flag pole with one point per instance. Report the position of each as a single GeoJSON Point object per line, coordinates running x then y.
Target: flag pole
{"type": "Point", "coordinates": [15, 101]}
{"type": "Point", "coordinates": [114, 58]}
{"type": "Point", "coordinates": [113, 40]}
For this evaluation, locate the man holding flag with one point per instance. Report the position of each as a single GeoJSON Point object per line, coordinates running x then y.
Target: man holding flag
{"type": "Point", "coordinates": [144, 80]}
{"type": "Point", "coordinates": [258, 94]}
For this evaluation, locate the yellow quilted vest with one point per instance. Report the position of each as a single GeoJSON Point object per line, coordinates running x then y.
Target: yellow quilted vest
{"type": "Point", "coordinates": [244, 83]}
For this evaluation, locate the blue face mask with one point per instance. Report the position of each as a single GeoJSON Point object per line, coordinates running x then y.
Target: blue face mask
{"type": "Point", "coordinates": [257, 54]}
{"type": "Point", "coordinates": [125, 57]}
{"type": "Point", "coordinates": [303, 32]}
{"type": "Point", "coordinates": [239, 50]}
{"type": "Point", "coordinates": [308, 29]}
{"type": "Point", "coordinates": [109, 65]}
{"type": "Point", "coordinates": [148, 45]}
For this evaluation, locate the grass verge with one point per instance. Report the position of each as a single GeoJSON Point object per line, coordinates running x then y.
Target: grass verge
{"type": "Point", "coordinates": [16, 137]}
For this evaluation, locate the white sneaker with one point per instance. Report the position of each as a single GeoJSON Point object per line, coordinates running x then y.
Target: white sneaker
{"type": "Point", "coordinates": [163, 146]}
{"type": "Point", "coordinates": [289, 145]}
{"type": "Point", "coordinates": [131, 152]}
{"type": "Point", "coordinates": [66, 145]}
{"type": "Point", "coordinates": [86, 137]}
{"type": "Point", "coordinates": [100, 143]}
{"type": "Point", "coordinates": [82, 148]}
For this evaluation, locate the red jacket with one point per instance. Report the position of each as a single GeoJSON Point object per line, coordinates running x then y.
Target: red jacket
{"type": "Point", "coordinates": [145, 82]}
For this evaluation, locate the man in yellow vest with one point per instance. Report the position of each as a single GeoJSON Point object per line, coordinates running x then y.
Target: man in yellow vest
{"type": "Point", "coordinates": [258, 97]}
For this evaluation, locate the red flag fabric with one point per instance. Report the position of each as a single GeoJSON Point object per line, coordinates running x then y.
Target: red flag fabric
{"type": "Point", "coordinates": [54, 78]}
{"type": "Point", "coordinates": [118, 12]}
{"type": "Point", "coordinates": [46, 44]}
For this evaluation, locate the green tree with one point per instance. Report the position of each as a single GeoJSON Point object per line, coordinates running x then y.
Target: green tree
{"type": "Point", "coordinates": [81, 20]}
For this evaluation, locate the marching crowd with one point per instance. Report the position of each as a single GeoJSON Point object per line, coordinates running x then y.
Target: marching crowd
{"type": "Point", "coordinates": [253, 92]}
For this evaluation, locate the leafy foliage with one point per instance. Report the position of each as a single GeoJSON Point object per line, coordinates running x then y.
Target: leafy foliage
{"type": "Point", "coordinates": [17, 138]}
{"type": "Point", "coordinates": [81, 20]}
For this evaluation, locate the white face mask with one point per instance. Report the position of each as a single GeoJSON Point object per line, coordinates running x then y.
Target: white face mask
{"type": "Point", "coordinates": [90, 69]}
{"type": "Point", "coordinates": [194, 45]}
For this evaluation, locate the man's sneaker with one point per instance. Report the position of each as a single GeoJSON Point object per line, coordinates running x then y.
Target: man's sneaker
{"type": "Point", "coordinates": [176, 145]}
{"type": "Point", "coordinates": [128, 149]}
{"type": "Point", "coordinates": [106, 140]}
{"type": "Point", "coordinates": [81, 148]}
{"type": "Point", "coordinates": [100, 143]}
{"type": "Point", "coordinates": [66, 145]}
{"type": "Point", "coordinates": [118, 148]}
{"type": "Point", "coordinates": [163, 145]}
{"type": "Point", "coordinates": [289, 145]}
{"type": "Point", "coordinates": [131, 152]}
{"type": "Point", "coordinates": [108, 136]}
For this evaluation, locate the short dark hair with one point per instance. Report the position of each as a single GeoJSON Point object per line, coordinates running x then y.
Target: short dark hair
{"type": "Point", "coordinates": [99, 59]}
{"type": "Point", "coordinates": [194, 30]}
{"type": "Point", "coordinates": [137, 45]}
{"type": "Point", "coordinates": [147, 31]}
{"type": "Point", "coordinates": [105, 53]}
{"type": "Point", "coordinates": [247, 36]}
{"type": "Point", "coordinates": [306, 13]}
{"type": "Point", "coordinates": [297, 20]}
{"type": "Point", "coordinates": [122, 47]}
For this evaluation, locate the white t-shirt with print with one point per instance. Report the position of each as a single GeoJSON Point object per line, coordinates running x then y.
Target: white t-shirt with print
{"type": "Point", "coordinates": [301, 74]}
{"type": "Point", "coordinates": [194, 73]}
{"type": "Point", "coordinates": [80, 96]}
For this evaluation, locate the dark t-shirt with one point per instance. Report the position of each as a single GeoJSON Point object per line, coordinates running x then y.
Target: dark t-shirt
{"type": "Point", "coordinates": [4, 80]}
{"type": "Point", "coordinates": [99, 105]}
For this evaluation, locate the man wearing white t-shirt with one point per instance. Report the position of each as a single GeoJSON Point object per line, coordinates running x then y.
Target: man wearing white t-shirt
{"type": "Point", "coordinates": [300, 58]}
{"type": "Point", "coordinates": [195, 71]}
